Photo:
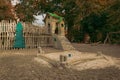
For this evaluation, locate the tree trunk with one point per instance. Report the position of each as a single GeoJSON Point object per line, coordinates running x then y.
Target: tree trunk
{"type": "Point", "coordinates": [86, 38]}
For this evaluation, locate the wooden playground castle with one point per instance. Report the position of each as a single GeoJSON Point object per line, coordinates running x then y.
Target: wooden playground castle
{"type": "Point", "coordinates": [34, 36]}
{"type": "Point", "coordinates": [52, 34]}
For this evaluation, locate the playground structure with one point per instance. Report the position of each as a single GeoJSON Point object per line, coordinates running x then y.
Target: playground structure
{"type": "Point", "coordinates": [69, 57]}
{"type": "Point", "coordinates": [34, 36]}
{"type": "Point", "coordinates": [52, 34]}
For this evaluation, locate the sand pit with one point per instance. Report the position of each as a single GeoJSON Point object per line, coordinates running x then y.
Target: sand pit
{"type": "Point", "coordinates": [43, 62]}
{"type": "Point", "coordinates": [78, 60]}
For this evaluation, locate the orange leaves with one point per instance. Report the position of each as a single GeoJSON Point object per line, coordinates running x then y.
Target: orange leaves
{"type": "Point", "coordinates": [6, 10]}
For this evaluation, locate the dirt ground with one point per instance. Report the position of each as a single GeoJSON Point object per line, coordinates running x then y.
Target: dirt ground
{"type": "Point", "coordinates": [20, 65]}
{"type": "Point", "coordinates": [107, 49]}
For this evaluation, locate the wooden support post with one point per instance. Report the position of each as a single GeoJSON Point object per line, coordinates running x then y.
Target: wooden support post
{"type": "Point", "coordinates": [63, 61]}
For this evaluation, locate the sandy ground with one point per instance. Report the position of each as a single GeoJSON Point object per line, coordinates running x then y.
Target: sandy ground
{"type": "Point", "coordinates": [107, 49]}
{"type": "Point", "coordinates": [78, 60]}
{"type": "Point", "coordinates": [20, 65]}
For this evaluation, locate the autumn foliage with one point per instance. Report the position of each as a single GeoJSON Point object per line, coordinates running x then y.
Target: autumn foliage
{"type": "Point", "coordinates": [6, 10]}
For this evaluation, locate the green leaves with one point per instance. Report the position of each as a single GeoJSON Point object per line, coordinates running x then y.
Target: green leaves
{"type": "Point", "coordinates": [92, 16]}
{"type": "Point", "coordinates": [94, 24]}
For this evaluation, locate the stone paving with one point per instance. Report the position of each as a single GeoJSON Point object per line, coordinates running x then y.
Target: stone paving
{"type": "Point", "coordinates": [23, 67]}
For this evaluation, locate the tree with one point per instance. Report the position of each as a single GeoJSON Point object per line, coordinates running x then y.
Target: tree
{"type": "Point", "coordinates": [107, 20]}
{"type": "Point", "coordinates": [27, 8]}
{"type": "Point", "coordinates": [6, 10]}
{"type": "Point", "coordinates": [65, 8]}
{"type": "Point", "coordinates": [94, 25]}
{"type": "Point", "coordinates": [74, 11]}
{"type": "Point", "coordinates": [113, 22]}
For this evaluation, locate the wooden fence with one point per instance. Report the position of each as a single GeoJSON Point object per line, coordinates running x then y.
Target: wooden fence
{"type": "Point", "coordinates": [34, 36]}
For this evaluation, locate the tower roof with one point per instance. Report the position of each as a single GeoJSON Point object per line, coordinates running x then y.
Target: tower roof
{"type": "Point", "coordinates": [55, 16]}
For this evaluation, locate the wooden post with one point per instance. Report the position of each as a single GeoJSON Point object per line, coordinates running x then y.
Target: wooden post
{"type": "Point", "coordinates": [63, 58]}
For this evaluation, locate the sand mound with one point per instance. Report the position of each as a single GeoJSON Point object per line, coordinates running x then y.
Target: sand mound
{"type": "Point", "coordinates": [78, 60]}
